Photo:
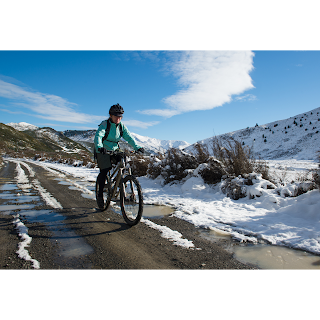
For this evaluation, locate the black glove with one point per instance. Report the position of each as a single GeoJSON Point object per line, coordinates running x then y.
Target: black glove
{"type": "Point", "coordinates": [102, 150]}
{"type": "Point", "coordinates": [140, 150]}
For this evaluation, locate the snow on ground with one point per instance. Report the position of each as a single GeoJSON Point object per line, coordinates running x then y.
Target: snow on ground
{"type": "Point", "coordinates": [270, 215]}
{"type": "Point", "coordinates": [23, 183]}
{"type": "Point", "coordinates": [26, 240]}
{"type": "Point", "coordinates": [280, 220]}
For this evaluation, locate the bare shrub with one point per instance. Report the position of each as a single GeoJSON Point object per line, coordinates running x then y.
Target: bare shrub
{"type": "Point", "coordinates": [316, 174]}
{"type": "Point", "coordinates": [233, 187]}
{"type": "Point", "coordinates": [176, 164]}
{"type": "Point", "coordinates": [139, 164]}
{"type": "Point", "coordinates": [201, 153]}
{"type": "Point", "coordinates": [155, 166]}
{"type": "Point", "coordinates": [172, 166]}
{"type": "Point", "coordinates": [316, 178]}
{"type": "Point", "coordinates": [235, 158]}
{"type": "Point", "coordinates": [261, 166]}
{"type": "Point", "coordinates": [238, 159]}
{"type": "Point", "coordinates": [212, 172]}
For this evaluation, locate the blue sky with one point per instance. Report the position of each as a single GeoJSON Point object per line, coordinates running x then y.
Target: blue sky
{"type": "Point", "coordinates": [171, 95]}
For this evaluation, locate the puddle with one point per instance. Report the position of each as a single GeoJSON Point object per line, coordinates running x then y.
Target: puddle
{"type": "Point", "coordinates": [72, 244]}
{"type": "Point", "coordinates": [72, 248]}
{"type": "Point", "coordinates": [20, 199]}
{"type": "Point", "coordinates": [263, 255]}
{"type": "Point", "coordinates": [215, 235]}
{"type": "Point", "coordinates": [11, 207]}
{"type": "Point", "coordinates": [65, 183]}
{"type": "Point", "coordinates": [154, 211]}
{"type": "Point", "coordinates": [8, 186]}
{"type": "Point", "coordinates": [28, 198]}
{"type": "Point", "coordinates": [276, 257]}
{"type": "Point", "coordinates": [7, 196]}
{"type": "Point", "coordinates": [42, 216]}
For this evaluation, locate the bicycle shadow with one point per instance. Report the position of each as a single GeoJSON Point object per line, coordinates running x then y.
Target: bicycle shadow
{"type": "Point", "coordinates": [71, 221]}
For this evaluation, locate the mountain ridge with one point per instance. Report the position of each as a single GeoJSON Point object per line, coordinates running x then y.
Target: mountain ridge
{"type": "Point", "coordinates": [28, 140]}
{"type": "Point", "coordinates": [151, 145]}
{"type": "Point", "coordinates": [295, 137]}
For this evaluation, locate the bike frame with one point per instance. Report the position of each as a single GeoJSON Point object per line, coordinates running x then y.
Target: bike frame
{"type": "Point", "coordinates": [116, 176]}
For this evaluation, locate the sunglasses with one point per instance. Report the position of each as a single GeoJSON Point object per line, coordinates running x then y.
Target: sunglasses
{"type": "Point", "coordinates": [117, 116]}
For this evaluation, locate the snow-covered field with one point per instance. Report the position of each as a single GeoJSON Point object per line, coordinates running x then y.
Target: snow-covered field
{"type": "Point", "coordinates": [270, 215]}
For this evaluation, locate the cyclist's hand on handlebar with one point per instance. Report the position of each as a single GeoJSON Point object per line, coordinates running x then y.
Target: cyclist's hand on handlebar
{"type": "Point", "coordinates": [102, 150]}
{"type": "Point", "coordinates": [140, 150]}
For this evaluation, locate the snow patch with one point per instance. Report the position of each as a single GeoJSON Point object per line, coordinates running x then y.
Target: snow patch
{"type": "Point", "coordinates": [26, 240]}
{"type": "Point", "coordinates": [46, 196]}
{"type": "Point", "coordinates": [22, 126]}
{"type": "Point", "coordinates": [167, 233]}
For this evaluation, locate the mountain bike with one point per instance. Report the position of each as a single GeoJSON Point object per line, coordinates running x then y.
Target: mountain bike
{"type": "Point", "coordinates": [124, 189]}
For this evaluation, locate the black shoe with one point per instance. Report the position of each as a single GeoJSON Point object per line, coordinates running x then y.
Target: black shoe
{"type": "Point", "coordinates": [100, 203]}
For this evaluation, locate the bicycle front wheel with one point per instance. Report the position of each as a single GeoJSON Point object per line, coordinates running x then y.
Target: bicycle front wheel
{"type": "Point", "coordinates": [131, 200]}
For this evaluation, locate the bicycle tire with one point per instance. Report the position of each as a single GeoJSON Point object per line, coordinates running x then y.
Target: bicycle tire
{"type": "Point", "coordinates": [131, 202]}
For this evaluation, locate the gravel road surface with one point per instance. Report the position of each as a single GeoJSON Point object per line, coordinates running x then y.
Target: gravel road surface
{"type": "Point", "coordinates": [79, 236]}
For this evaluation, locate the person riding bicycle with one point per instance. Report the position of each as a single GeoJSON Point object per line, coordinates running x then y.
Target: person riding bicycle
{"type": "Point", "coordinates": [114, 129]}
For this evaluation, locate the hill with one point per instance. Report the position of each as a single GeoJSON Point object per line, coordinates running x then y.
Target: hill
{"type": "Point", "coordinates": [28, 140]}
{"type": "Point", "coordinates": [297, 137]}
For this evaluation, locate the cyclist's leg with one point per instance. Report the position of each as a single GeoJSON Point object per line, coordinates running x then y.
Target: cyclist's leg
{"type": "Point", "coordinates": [102, 180]}
{"type": "Point", "coordinates": [104, 164]}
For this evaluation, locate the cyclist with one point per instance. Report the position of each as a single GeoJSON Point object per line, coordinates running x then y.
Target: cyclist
{"type": "Point", "coordinates": [106, 138]}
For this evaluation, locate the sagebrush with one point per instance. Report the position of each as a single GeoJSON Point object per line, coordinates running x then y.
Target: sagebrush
{"type": "Point", "coordinates": [238, 159]}
{"type": "Point", "coordinates": [172, 166]}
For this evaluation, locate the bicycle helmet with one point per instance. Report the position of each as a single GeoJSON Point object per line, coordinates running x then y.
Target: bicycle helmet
{"type": "Point", "coordinates": [116, 110]}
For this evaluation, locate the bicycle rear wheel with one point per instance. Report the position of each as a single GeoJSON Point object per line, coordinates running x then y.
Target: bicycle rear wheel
{"type": "Point", "coordinates": [131, 200]}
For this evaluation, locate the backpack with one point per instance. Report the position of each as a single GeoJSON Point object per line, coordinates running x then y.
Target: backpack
{"type": "Point", "coordinates": [106, 136]}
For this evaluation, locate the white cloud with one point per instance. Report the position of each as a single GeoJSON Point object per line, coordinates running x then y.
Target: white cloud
{"type": "Point", "coordinates": [208, 79]}
{"type": "Point", "coordinates": [51, 107]}
{"type": "Point", "coordinates": [246, 97]}
{"type": "Point", "coordinates": [139, 124]}
{"type": "Point", "coordinates": [46, 106]}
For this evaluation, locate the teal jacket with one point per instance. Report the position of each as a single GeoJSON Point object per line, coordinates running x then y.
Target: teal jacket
{"type": "Point", "coordinates": [111, 143]}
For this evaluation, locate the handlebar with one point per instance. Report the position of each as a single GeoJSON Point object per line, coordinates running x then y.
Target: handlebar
{"type": "Point", "coordinates": [117, 152]}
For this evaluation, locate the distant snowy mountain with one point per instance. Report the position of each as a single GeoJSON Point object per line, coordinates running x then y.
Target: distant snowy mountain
{"type": "Point", "coordinates": [157, 145]}
{"type": "Point", "coordinates": [149, 144]}
{"type": "Point", "coordinates": [22, 126]}
{"type": "Point", "coordinates": [297, 137]}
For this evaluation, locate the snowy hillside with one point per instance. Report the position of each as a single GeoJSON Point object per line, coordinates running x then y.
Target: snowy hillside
{"type": "Point", "coordinates": [80, 135]}
{"type": "Point", "coordinates": [149, 144]}
{"type": "Point", "coordinates": [50, 140]}
{"type": "Point", "coordinates": [297, 137]}
{"type": "Point", "coordinates": [22, 126]}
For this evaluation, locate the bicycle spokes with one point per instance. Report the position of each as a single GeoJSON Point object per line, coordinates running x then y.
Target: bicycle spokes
{"type": "Point", "coordinates": [131, 200]}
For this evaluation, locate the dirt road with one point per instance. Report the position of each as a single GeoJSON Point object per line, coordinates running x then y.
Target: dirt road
{"type": "Point", "coordinates": [76, 235]}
